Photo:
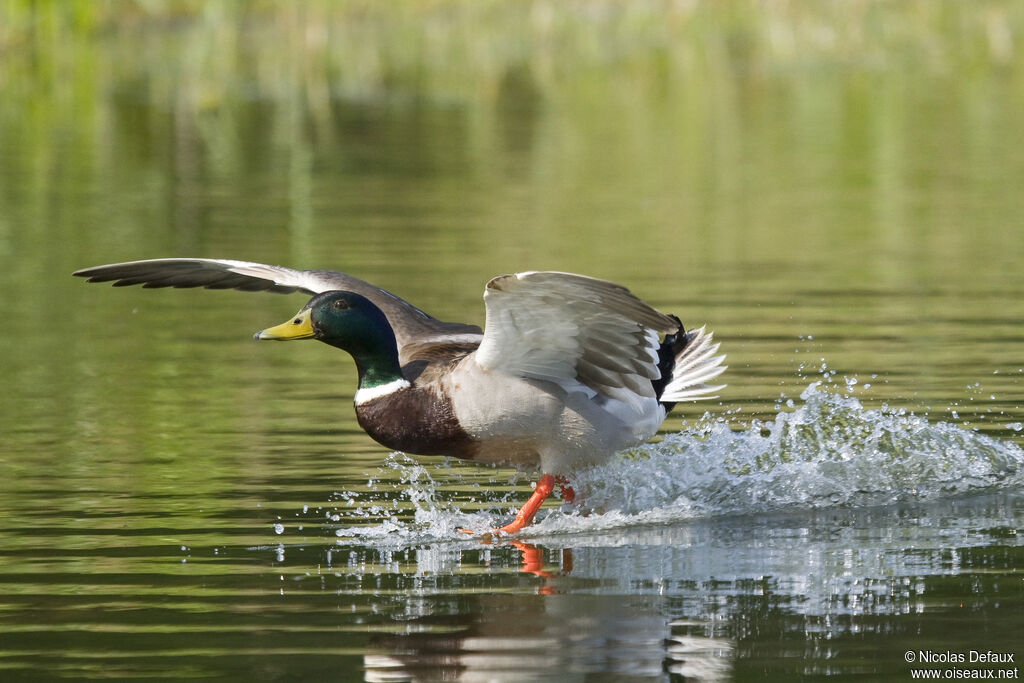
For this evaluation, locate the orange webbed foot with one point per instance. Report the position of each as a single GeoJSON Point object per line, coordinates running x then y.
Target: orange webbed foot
{"type": "Point", "coordinates": [545, 485]}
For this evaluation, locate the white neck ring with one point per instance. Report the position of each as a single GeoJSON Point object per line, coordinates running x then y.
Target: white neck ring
{"type": "Point", "coordinates": [367, 395]}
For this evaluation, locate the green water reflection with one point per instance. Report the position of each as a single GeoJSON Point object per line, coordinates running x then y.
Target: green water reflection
{"type": "Point", "coordinates": [827, 184]}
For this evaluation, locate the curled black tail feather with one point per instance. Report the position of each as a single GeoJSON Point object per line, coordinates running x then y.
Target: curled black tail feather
{"type": "Point", "coordinates": [670, 347]}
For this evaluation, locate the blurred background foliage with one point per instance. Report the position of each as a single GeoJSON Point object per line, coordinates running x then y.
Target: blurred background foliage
{"type": "Point", "coordinates": [716, 93]}
{"type": "Point", "coordinates": [198, 54]}
{"type": "Point", "coordinates": [79, 52]}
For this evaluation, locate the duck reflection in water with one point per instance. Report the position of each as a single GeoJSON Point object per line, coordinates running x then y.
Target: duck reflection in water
{"type": "Point", "coordinates": [533, 563]}
{"type": "Point", "coordinates": [552, 635]}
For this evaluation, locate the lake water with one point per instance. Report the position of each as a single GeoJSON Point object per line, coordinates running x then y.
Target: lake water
{"type": "Point", "coordinates": [838, 196]}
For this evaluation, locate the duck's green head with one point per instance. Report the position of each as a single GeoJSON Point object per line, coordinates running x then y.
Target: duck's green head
{"type": "Point", "coordinates": [350, 322]}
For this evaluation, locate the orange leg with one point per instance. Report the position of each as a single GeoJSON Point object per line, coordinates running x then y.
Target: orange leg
{"type": "Point", "coordinates": [526, 513]}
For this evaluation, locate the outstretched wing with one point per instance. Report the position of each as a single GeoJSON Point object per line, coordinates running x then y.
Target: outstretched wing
{"type": "Point", "coordinates": [569, 328]}
{"type": "Point", "coordinates": [409, 323]}
{"type": "Point", "coordinates": [217, 274]}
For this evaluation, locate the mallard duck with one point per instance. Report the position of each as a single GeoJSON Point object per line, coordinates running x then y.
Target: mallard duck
{"type": "Point", "coordinates": [568, 370]}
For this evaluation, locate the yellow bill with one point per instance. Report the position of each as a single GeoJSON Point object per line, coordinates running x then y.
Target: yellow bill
{"type": "Point", "coordinates": [299, 327]}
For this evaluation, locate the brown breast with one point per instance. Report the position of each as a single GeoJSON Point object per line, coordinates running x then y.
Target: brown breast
{"type": "Point", "coordinates": [416, 420]}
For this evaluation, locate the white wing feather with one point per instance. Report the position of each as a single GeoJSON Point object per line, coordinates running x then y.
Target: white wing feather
{"type": "Point", "coordinates": [694, 366]}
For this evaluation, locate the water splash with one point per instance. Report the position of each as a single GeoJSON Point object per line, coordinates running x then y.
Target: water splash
{"type": "Point", "coordinates": [827, 451]}
{"type": "Point", "coordinates": [404, 504]}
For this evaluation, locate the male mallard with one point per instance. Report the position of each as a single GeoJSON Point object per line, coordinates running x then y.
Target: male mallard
{"type": "Point", "coordinates": [568, 370]}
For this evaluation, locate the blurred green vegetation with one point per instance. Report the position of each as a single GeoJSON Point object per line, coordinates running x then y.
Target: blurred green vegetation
{"type": "Point", "coordinates": [197, 53]}
{"type": "Point", "coordinates": [566, 95]}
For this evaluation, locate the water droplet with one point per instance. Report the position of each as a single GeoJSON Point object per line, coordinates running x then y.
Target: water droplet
{"type": "Point", "coordinates": [279, 528]}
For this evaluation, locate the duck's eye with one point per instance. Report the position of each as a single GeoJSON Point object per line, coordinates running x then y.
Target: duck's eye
{"type": "Point", "coordinates": [297, 321]}
{"type": "Point", "coordinates": [340, 304]}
